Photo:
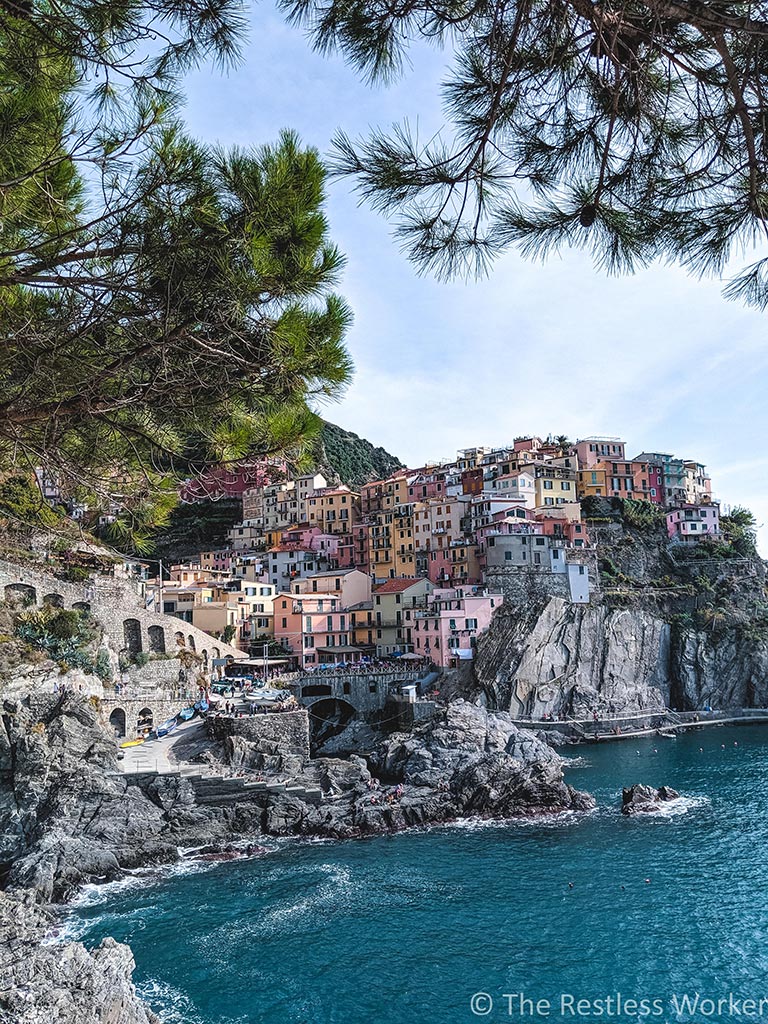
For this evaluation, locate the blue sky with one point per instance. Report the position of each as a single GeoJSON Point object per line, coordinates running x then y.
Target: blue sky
{"type": "Point", "coordinates": [660, 358]}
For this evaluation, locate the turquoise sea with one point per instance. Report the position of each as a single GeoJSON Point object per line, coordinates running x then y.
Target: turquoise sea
{"type": "Point", "coordinates": [406, 929]}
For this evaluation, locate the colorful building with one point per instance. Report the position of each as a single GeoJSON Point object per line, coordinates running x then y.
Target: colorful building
{"type": "Point", "coordinates": [690, 524]}
{"type": "Point", "coordinates": [446, 626]}
{"type": "Point", "coordinates": [392, 601]}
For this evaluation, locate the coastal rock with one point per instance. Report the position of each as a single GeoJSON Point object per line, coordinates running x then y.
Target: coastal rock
{"type": "Point", "coordinates": [640, 799]}
{"type": "Point", "coordinates": [357, 738]}
{"type": "Point", "coordinates": [465, 762]}
{"type": "Point", "coordinates": [44, 983]}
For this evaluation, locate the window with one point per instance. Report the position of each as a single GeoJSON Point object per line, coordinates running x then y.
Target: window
{"type": "Point", "coordinates": [507, 556]}
{"type": "Point", "coordinates": [547, 485]}
{"type": "Point", "coordinates": [285, 623]}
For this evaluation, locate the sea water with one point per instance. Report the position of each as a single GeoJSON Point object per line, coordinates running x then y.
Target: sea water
{"type": "Point", "coordinates": [495, 922]}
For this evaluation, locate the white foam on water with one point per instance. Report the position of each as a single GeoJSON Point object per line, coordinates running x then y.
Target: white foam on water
{"type": "Point", "coordinates": [170, 1004]}
{"type": "Point", "coordinates": [674, 808]}
{"type": "Point", "coordinates": [576, 762]}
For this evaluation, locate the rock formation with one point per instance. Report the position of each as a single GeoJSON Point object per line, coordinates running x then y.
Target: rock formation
{"type": "Point", "coordinates": [640, 799]}
{"type": "Point", "coordinates": [68, 817]}
{"type": "Point", "coordinates": [664, 628]}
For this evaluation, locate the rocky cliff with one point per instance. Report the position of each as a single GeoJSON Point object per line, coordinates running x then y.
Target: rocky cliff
{"type": "Point", "coordinates": [666, 626]}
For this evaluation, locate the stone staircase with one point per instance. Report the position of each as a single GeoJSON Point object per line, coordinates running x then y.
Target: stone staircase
{"type": "Point", "coordinates": [219, 789]}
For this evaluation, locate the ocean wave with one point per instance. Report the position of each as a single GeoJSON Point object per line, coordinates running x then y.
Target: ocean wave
{"type": "Point", "coordinates": [170, 1004]}
{"type": "Point", "coordinates": [674, 808]}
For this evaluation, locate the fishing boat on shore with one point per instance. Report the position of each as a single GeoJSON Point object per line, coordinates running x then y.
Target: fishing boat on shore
{"type": "Point", "coordinates": [133, 743]}
{"type": "Point", "coordinates": [186, 714]}
{"type": "Point", "coordinates": [168, 726]}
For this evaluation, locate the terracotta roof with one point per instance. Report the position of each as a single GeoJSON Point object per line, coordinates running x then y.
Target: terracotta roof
{"type": "Point", "coordinates": [396, 586]}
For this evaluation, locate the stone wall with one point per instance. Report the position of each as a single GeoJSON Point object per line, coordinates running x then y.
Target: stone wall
{"type": "Point", "coordinates": [289, 729]}
{"type": "Point", "coordinates": [160, 707]}
{"type": "Point", "coordinates": [526, 585]}
{"type": "Point", "coordinates": [117, 605]}
{"type": "Point", "coordinates": [366, 691]}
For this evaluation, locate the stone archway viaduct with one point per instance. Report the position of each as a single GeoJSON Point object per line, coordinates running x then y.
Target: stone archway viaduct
{"type": "Point", "coordinates": [117, 605]}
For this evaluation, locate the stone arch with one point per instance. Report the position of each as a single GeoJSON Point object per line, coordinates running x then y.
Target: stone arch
{"type": "Point", "coordinates": [21, 592]}
{"type": "Point", "coordinates": [117, 722]}
{"type": "Point", "coordinates": [82, 606]}
{"type": "Point", "coordinates": [145, 718]}
{"type": "Point", "coordinates": [216, 653]}
{"type": "Point", "coordinates": [191, 642]}
{"type": "Point", "coordinates": [156, 636]}
{"type": "Point", "coordinates": [347, 688]}
{"type": "Point", "coordinates": [54, 600]}
{"type": "Point", "coordinates": [205, 656]}
{"type": "Point", "coordinates": [328, 718]}
{"type": "Point", "coordinates": [132, 635]}
{"type": "Point", "coordinates": [179, 637]}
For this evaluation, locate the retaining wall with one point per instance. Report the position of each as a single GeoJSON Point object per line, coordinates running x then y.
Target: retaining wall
{"type": "Point", "coordinates": [161, 710]}
{"type": "Point", "coordinates": [289, 729]}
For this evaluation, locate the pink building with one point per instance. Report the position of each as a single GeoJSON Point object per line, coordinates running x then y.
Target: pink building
{"type": "Point", "coordinates": [592, 450]}
{"type": "Point", "coordinates": [692, 523]}
{"type": "Point", "coordinates": [315, 628]}
{"type": "Point", "coordinates": [315, 622]}
{"type": "Point", "coordinates": [446, 627]}
{"type": "Point", "coordinates": [231, 481]}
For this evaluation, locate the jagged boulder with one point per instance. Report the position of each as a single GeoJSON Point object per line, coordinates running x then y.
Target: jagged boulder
{"type": "Point", "coordinates": [640, 799]}
{"type": "Point", "coordinates": [64, 982]}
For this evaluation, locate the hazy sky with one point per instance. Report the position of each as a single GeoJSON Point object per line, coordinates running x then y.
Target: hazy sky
{"type": "Point", "coordinates": [660, 359]}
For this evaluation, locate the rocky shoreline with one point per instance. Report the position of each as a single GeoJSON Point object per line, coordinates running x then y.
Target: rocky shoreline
{"type": "Point", "coordinates": [67, 817]}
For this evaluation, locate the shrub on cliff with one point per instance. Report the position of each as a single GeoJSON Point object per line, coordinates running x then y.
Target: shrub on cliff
{"type": "Point", "coordinates": [64, 636]}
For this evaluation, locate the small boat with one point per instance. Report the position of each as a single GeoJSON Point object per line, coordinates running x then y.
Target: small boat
{"type": "Point", "coordinates": [168, 726]}
{"type": "Point", "coordinates": [133, 743]}
{"type": "Point", "coordinates": [201, 706]}
{"type": "Point", "coordinates": [186, 714]}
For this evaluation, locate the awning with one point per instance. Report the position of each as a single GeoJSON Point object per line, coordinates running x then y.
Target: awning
{"type": "Point", "coordinates": [340, 650]}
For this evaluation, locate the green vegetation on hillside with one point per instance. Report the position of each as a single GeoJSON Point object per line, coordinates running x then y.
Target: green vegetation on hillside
{"type": "Point", "coordinates": [353, 459]}
{"type": "Point", "coordinates": [201, 526]}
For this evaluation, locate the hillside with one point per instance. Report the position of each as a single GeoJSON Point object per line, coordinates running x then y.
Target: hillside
{"type": "Point", "coordinates": [342, 456]}
{"type": "Point", "coordinates": [352, 459]}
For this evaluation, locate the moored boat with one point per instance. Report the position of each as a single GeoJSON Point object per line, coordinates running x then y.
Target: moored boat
{"type": "Point", "coordinates": [168, 726]}
{"type": "Point", "coordinates": [186, 714]}
{"type": "Point", "coordinates": [133, 743]}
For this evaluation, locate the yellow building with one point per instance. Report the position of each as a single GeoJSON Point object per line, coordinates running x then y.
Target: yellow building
{"type": "Point", "coordinates": [591, 483]}
{"type": "Point", "coordinates": [334, 511]}
{"type": "Point", "coordinates": [392, 602]}
{"type": "Point", "coordinates": [391, 550]}
{"type": "Point", "coordinates": [554, 485]}
{"type": "Point", "coordinates": [384, 495]}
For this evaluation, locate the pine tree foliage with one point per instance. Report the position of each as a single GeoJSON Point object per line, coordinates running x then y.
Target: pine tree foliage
{"type": "Point", "coordinates": [164, 304]}
{"type": "Point", "coordinates": [637, 129]}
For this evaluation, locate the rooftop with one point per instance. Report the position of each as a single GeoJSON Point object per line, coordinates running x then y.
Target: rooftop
{"type": "Point", "coordinates": [398, 585]}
